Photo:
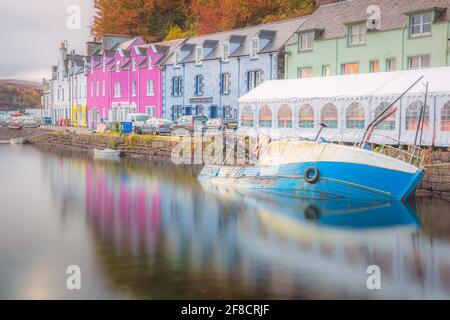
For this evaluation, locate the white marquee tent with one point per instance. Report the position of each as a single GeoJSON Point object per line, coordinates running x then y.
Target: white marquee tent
{"type": "Point", "coordinates": [352, 102]}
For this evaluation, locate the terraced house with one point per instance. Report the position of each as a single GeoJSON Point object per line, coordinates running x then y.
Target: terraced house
{"type": "Point", "coordinates": [207, 74]}
{"type": "Point", "coordinates": [359, 36]}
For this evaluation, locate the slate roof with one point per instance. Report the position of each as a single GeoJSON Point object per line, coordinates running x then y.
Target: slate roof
{"type": "Point", "coordinates": [334, 18]}
{"type": "Point", "coordinates": [278, 32]}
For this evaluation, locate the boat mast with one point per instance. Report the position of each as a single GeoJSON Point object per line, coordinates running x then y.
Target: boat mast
{"type": "Point", "coordinates": [375, 121]}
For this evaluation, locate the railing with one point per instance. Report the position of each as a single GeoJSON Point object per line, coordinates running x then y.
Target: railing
{"type": "Point", "coordinates": [415, 156]}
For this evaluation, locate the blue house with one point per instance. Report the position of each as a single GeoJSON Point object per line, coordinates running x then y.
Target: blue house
{"type": "Point", "coordinates": [207, 74]}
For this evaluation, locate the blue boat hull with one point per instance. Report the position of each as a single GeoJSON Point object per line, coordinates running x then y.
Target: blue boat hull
{"type": "Point", "coordinates": [336, 180]}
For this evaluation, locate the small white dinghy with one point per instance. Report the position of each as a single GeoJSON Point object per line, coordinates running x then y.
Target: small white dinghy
{"type": "Point", "coordinates": [17, 141]}
{"type": "Point", "coordinates": [107, 154]}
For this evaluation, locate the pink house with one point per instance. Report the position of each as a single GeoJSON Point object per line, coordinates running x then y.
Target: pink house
{"type": "Point", "coordinates": [125, 80]}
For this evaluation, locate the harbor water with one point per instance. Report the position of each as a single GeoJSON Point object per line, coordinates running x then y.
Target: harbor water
{"type": "Point", "coordinates": [143, 230]}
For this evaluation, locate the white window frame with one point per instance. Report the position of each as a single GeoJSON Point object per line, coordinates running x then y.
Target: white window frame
{"type": "Point", "coordinates": [176, 58]}
{"type": "Point", "coordinates": [389, 63]}
{"type": "Point", "coordinates": [254, 48]}
{"type": "Point", "coordinates": [150, 88]}
{"type": "Point", "coordinates": [117, 90]}
{"type": "Point", "coordinates": [310, 72]}
{"type": "Point", "coordinates": [421, 24]}
{"type": "Point", "coordinates": [198, 55]}
{"type": "Point", "coordinates": [103, 88]}
{"type": "Point", "coordinates": [150, 110]}
{"type": "Point", "coordinates": [133, 61]}
{"type": "Point", "coordinates": [305, 41]}
{"type": "Point", "coordinates": [133, 88]}
{"type": "Point", "coordinates": [421, 58]}
{"type": "Point", "coordinates": [150, 62]}
{"type": "Point", "coordinates": [226, 51]}
{"type": "Point", "coordinates": [359, 36]}
{"type": "Point", "coordinates": [118, 66]}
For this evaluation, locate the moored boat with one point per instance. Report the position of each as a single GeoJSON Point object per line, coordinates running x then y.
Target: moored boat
{"type": "Point", "coordinates": [18, 141]}
{"type": "Point", "coordinates": [322, 171]}
{"type": "Point", "coordinates": [107, 153]}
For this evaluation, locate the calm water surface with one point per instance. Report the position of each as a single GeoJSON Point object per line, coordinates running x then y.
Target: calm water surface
{"type": "Point", "coordinates": [151, 231]}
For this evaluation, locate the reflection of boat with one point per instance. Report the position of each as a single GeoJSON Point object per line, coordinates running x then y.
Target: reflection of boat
{"type": "Point", "coordinates": [18, 141]}
{"type": "Point", "coordinates": [107, 154]}
{"type": "Point", "coordinates": [322, 170]}
{"type": "Point", "coordinates": [337, 214]}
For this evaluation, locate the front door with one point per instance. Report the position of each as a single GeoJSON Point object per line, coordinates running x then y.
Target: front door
{"type": "Point", "coordinates": [213, 112]}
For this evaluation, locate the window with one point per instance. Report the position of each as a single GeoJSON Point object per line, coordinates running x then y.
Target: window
{"type": "Point", "coordinates": [374, 66]}
{"type": "Point", "coordinates": [104, 65]}
{"type": "Point", "coordinates": [133, 89]}
{"type": "Point", "coordinates": [389, 122]}
{"type": "Point", "coordinates": [225, 51]}
{"type": "Point", "coordinates": [265, 117]}
{"type": "Point", "coordinates": [134, 64]}
{"type": "Point", "coordinates": [198, 55]}
{"type": "Point", "coordinates": [150, 110]}
{"type": "Point", "coordinates": [117, 66]}
{"type": "Point", "coordinates": [285, 117]}
{"type": "Point", "coordinates": [305, 41]}
{"type": "Point", "coordinates": [117, 91]}
{"type": "Point", "coordinates": [103, 88]}
{"type": "Point", "coordinates": [150, 88]}
{"type": "Point", "coordinates": [355, 118]}
{"type": "Point", "coordinates": [177, 58]}
{"type": "Point", "coordinates": [253, 79]}
{"type": "Point", "coordinates": [326, 71]}
{"type": "Point", "coordinates": [413, 114]}
{"type": "Point", "coordinates": [97, 89]}
{"type": "Point", "coordinates": [357, 34]}
{"type": "Point", "coordinates": [225, 83]}
{"type": "Point", "coordinates": [150, 62]}
{"type": "Point", "coordinates": [199, 85]}
{"type": "Point", "coordinates": [350, 68]}
{"type": "Point", "coordinates": [420, 24]}
{"type": "Point", "coordinates": [254, 48]}
{"type": "Point", "coordinates": [305, 72]}
{"type": "Point", "coordinates": [177, 86]}
{"type": "Point", "coordinates": [418, 62]}
{"type": "Point", "coordinates": [391, 64]}
{"type": "Point", "coordinates": [306, 117]}
{"type": "Point", "coordinates": [445, 117]}
{"type": "Point", "coordinates": [329, 116]}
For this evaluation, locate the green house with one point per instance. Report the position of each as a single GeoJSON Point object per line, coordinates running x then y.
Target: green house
{"type": "Point", "coordinates": [361, 36]}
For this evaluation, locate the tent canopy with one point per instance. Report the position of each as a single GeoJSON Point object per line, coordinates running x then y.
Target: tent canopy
{"type": "Point", "coordinates": [357, 85]}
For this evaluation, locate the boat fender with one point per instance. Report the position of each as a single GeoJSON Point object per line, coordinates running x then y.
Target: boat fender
{"type": "Point", "coordinates": [312, 175]}
{"type": "Point", "coordinates": [312, 213]}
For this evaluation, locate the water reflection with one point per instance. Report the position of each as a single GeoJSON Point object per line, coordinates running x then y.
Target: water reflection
{"type": "Point", "coordinates": [155, 233]}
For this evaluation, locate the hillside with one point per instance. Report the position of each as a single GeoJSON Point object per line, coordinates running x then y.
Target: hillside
{"type": "Point", "coordinates": [19, 94]}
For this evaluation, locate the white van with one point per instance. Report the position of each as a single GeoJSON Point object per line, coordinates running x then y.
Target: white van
{"type": "Point", "coordinates": [138, 120]}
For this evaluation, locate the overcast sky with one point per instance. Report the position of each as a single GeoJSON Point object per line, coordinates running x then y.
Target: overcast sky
{"type": "Point", "coordinates": [30, 33]}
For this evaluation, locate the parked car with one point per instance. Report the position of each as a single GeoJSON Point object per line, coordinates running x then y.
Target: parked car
{"type": "Point", "coordinates": [157, 126]}
{"type": "Point", "coordinates": [29, 122]}
{"type": "Point", "coordinates": [222, 124]}
{"type": "Point", "coordinates": [138, 121]}
{"type": "Point", "coordinates": [15, 124]}
{"type": "Point", "coordinates": [190, 123]}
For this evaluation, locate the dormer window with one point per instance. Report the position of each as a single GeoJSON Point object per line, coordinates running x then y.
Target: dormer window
{"type": "Point", "coordinates": [177, 58]}
{"type": "Point", "coordinates": [305, 41]}
{"type": "Point", "coordinates": [150, 62]}
{"type": "Point", "coordinates": [225, 51]}
{"type": "Point", "coordinates": [254, 48]}
{"type": "Point", "coordinates": [420, 24]}
{"type": "Point", "coordinates": [118, 66]}
{"type": "Point", "coordinates": [357, 34]}
{"type": "Point", "coordinates": [198, 55]}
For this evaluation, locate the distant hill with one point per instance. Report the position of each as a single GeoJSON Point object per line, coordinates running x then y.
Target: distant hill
{"type": "Point", "coordinates": [19, 94]}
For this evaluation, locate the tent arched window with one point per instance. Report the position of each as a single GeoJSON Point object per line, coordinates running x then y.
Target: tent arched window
{"type": "Point", "coordinates": [306, 116]}
{"type": "Point", "coordinates": [413, 114]}
{"type": "Point", "coordinates": [355, 117]}
{"type": "Point", "coordinates": [329, 116]}
{"type": "Point", "coordinates": [247, 116]}
{"type": "Point", "coordinates": [285, 117]}
{"type": "Point", "coordinates": [389, 122]}
{"type": "Point", "coordinates": [265, 117]}
{"type": "Point", "coordinates": [445, 117]}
